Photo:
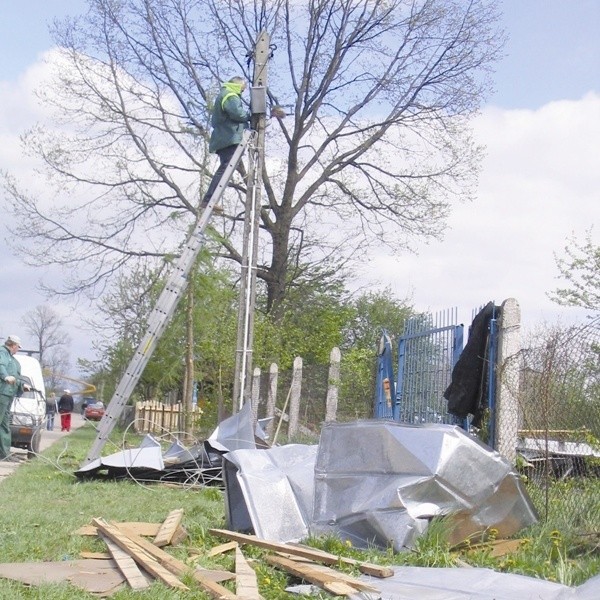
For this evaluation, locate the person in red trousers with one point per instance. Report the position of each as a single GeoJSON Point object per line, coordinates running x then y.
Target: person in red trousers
{"type": "Point", "coordinates": [65, 408]}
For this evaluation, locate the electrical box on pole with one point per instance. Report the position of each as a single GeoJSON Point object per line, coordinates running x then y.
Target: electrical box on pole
{"type": "Point", "coordinates": [258, 100]}
{"type": "Point", "coordinates": [245, 335]}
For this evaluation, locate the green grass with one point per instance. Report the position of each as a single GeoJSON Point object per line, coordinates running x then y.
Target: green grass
{"type": "Point", "coordinates": [45, 503]}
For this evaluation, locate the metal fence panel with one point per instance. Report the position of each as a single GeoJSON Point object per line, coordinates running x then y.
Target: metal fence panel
{"type": "Point", "coordinates": [427, 352]}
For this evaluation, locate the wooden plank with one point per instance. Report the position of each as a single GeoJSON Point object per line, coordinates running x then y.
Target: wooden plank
{"type": "Point", "coordinates": [126, 565]}
{"type": "Point", "coordinates": [168, 528]}
{"type": "Point", "coordinates": [142, 558]}
{"type": "Point", "coordinates": [306, 552]}
{"type": "Point", "coordinates": [179, 535]}
{"type": "Point", "coordinates": [222, 548]}
{"type": "Point", "coordinates": [246, 584]}
{"type": "Point", "coordinates": [179, 568]}
{"type": "Point", "coordinates": [149, 529]}
{"type": "Point", "coordinates": [356, 583]}
{"type": "Point", "coordinates": [95, 555]}
{"type": "Point", "coordinates": [327, 581]}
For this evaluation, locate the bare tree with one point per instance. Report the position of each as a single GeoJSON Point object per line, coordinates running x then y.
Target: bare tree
{"type": "Point", "coordinates": [47, 328]}
{"type": "Point", "coordinates": [375, 148]}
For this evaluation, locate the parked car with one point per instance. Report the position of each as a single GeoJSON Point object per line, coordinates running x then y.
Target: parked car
{"type": "Point", "coordinates": [84, 402]}
{"type": "Point", "coordinates": [94, 412]}
{"type": "Point", "coordinates": [28, 411]}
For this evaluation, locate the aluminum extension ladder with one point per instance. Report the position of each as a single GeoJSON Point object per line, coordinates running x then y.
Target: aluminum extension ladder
{"type": "Point", "coordinates": [163, 310]}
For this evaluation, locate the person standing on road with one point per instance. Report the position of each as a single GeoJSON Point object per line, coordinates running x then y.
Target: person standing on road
{"type": "Point", "coordinates": [51, 409]}
{"type": "Point", "coordinates": [65, 408]}
{"type": "Point", "coordinates": [10, 386]}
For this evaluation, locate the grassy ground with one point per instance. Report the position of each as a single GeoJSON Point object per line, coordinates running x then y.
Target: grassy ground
{"type": "Point", "coordinates": [45, 503]}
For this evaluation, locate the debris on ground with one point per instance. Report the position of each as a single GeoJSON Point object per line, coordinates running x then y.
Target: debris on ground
{"type": "Point", "coordinates": [376, 483]}
{"type": "Point", "coordinates": [198, 466]}
{"type": "Point", "coordinates": [473, 583]}
{"type": "Point", "coordinates": [371, 483]}
{"type": "Point", "coordinates": [133, 560]}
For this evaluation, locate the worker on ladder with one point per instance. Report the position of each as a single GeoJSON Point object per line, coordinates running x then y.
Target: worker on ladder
{"type": "Point", "coordinates": [229, 119]}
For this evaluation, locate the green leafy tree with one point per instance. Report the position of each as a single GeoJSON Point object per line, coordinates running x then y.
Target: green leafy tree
{"type": "Point", "coordinates": [371, 313]}
{"type": "Point", "coordinates": [215, 325]}
{"type": "Point", "coordinates": [310, 321]}
{"type": "Point", "coordinates": [580, 267]}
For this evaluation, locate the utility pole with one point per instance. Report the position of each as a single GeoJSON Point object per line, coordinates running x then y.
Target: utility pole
{"type": "Point", "coordinates": [245, 334]}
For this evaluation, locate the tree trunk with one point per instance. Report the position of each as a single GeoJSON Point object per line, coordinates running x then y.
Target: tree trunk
{"type": "Point", "coordinates": [278, 271]}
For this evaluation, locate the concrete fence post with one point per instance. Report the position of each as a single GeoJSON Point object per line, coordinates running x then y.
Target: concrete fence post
{"type": "Point", "coordinates": [507, 381]}
{"type": "Point", "coordinates": [333, 384]}
{"type": "Point", "coordinates": [272, 398]}
{"type": "Point", "coordinates": [295, 392]}
{"type": "Point", "coordinates": [255, 394]}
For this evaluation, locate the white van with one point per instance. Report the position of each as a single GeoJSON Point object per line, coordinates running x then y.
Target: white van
{"type": "Point", "coordinates": [29, 410]}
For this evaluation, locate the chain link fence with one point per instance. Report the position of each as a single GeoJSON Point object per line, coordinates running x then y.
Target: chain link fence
{"type": "Point", "coordinates": [355, 394]}
{"type": "Point", "coordinates": [558, 427]}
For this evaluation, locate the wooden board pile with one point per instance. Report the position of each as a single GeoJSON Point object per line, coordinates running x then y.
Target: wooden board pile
{"type": "Point", "coordinates": [137, 557]}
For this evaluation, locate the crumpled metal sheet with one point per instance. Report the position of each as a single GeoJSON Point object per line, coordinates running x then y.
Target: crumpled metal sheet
{"type": "Point", "coordinates": [147, 456]}
{"type": "Point", "coordinates": [270, 492]}
{"type": "Point", "coordinates": [198, 465]}
{"type": "Point", "coordinates": [426, 583]}
{"type": "Point", "coordinates": [235, 432]}
{"type": "Point", "coordinates": [375, 483]}
{"type": "Point", "coordinates": [379, 482]}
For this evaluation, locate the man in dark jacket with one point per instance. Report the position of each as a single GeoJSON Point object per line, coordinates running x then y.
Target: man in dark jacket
{"type": "Point", "coordinates": [65, 408]}
{"type": "Point", "coordinates": [229, 119]}
{"type": "Point", "coordinates": [10, 386]}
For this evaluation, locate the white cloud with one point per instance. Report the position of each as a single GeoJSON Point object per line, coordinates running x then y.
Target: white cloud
{"type": "Point", "coordinates": [19, 293]}
{"type": "Point", "coordinates": [540, 184]}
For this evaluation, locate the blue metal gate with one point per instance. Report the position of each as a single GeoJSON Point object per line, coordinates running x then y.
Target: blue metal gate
{"type": "Point", "coordinates": [428, 350]}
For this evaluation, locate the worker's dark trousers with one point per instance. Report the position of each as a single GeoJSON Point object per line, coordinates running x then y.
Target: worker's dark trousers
{"type": "Point", "coordinates": [5, 402]}
{"type": "Point", "coordinates": [225, 155]}
{"type": "Point", "coordinates": [65, 422]}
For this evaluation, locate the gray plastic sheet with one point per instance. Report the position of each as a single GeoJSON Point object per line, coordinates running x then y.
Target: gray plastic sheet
{"type": "Point", "coordinates": [425, 583]}
{"type": "Point", "coordinates": [380, 482]}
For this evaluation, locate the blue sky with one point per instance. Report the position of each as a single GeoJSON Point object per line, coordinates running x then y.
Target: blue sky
{"type": "Point", "coordinates": [24, 31]}
{"type": "Point", "coordinates": [553, 50]}
{"type": "Point", "coordinates": [540, 181]}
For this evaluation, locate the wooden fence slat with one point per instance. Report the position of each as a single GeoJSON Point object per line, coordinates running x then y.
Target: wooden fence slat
{"type": "Point", "coordinates": [333, 383]}
{"type": "Point", "coordinates": [272, 398]}
{"type": "Point", "coordinates": [127, 565]}
{"type": "Point", "coordinates": [155, 417]}
{"type": "Point", "coordinates": [141, 557]}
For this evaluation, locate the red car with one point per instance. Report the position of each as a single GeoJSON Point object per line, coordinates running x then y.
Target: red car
{"type": "Point", "coordinates": [94, 412]}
